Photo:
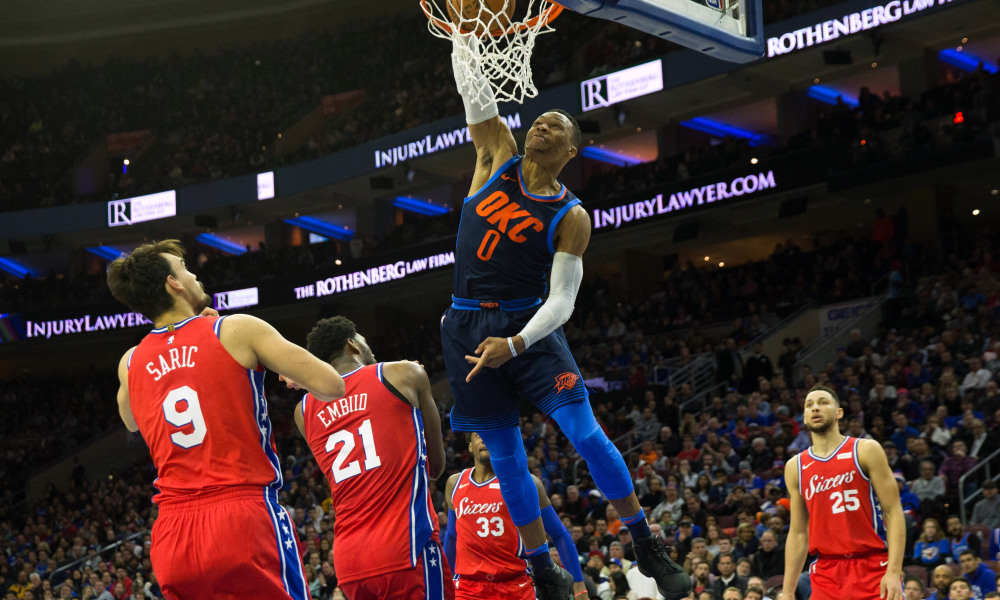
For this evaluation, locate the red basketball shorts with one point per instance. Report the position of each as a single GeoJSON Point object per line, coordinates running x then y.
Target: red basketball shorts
{"type": "Point", "coordinates": [238, 543]}
{"type": "Point", "coordinates": [430, 579]}
{"type": "Point", "coordinates": [519, 588]}
{"type": "Point", "coordinates": [842, 578]}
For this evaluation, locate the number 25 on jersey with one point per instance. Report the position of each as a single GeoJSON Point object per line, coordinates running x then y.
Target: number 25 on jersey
{"type": "Point", "coordinates": [845, 501]}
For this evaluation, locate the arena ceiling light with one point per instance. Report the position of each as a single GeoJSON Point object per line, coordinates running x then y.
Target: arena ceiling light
{"type": "Point", "coordinates": [108, 253]}
{"type": "Point", "coordinates": [17, 269]}
{"type": "Point", "coordinates": [828, 95]}
{"type": "Point", "coordinates": [219, 243]}
{"type": "Point", "coordinates": [965, 61]}
{"type": "Point", "coordinates": [329, 230]}
{"type": "Point", "coordinates": [720, 129]}
{"type": "Point", "coordinates": [421, 207]}
{"type": "Point", "coordinates": [610, 156]}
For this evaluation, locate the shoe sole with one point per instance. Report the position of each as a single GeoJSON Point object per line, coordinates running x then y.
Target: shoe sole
{"type": "Point", "coordinates": [670, 595]}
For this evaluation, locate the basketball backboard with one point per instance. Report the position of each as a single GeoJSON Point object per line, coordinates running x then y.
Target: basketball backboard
{"type": "Point", "coordinates": [730, 30]}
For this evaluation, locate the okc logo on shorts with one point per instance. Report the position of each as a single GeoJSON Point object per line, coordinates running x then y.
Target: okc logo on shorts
{"type": "Point", "coordinates": [565, 381]}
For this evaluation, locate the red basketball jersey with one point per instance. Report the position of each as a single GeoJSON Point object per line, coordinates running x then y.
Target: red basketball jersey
{"type": "Point", "coordinates": [488, 542]}
{"type": "Point", "coordinates": [371, 446]}
{"type": "Point", "coordinates": [844, 514]}
{"type": "Point", "coordinates": [202, 414]}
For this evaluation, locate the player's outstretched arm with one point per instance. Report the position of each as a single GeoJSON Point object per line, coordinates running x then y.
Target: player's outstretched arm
{"type": "Point", "coordinates": [876, 465]}
{"type": "Point", "coordinates": [124, 402]}
{"type": "Point", "coordinates": [451, 531]}
{"type": "Point", "coordinates": [252, 341]}
{"type": "Point", "coordinates": [411, 380]}
{"type": "Point", "coordinates": [797, 543]}
{"type": "Point", "coordinates": [492, 138]}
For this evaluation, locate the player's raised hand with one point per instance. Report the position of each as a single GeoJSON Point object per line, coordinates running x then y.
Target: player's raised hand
{"type": "Point", "coordinates": [891, 587]}
{"type": "Point", "coordinates": [492, 352]}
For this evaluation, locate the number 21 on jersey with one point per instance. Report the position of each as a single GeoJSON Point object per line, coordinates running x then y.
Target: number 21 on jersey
{"type": "Point", "coordinates": [345, 437]}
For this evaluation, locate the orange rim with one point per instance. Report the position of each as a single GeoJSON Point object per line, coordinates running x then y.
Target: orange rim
{"type": "Point", "coordinates": [542, 18]}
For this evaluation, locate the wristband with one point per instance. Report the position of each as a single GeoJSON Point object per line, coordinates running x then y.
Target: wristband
{"type": "Point", "coordinates": [510, 342]}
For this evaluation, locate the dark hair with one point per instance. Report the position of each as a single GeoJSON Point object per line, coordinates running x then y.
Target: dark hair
{"type": "Point", "coordinates": [621, 584]}
{"type": "Point", "coordinates": [327, 339]}
{"type": "Point", "coordinates": [968, 551]}
{"type": "Point", "coordinates": [910, 578]}
{"type": "Point", "coordinates": [575, 135]}
{"type": "Point", "coordinates": [962, 580]}
{"type": "Point", "coordinates": [819, 387]}
{"type": "Point", "coordinates": [138, 280]}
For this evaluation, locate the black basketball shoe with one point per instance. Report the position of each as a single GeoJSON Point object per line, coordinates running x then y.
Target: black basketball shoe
{"type": "Point", "coordinates": [654, 562]}
{"type": "Point", "coordinates": [554, 583]}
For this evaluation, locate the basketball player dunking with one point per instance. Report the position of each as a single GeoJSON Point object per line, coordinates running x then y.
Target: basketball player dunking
{"type": "Point", "coordinates": [519, 228]}
{"type": "Point", "coordinates": [194, 388]}
{"type": "Point", "coordinates": [371, 445]}
{"type": "Point", "coordinates": [840, 489]}
{"type": "Point", "coordinates": [482, 544]}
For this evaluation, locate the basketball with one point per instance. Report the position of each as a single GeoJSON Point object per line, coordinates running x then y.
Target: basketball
{"type": "Point", "coordinates": [480, 14]}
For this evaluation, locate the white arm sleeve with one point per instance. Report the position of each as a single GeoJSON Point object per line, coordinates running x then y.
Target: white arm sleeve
{"type": "Point", "coordinates": [477, 95]}
{"type": "Point", "coordinates": [567, 273]}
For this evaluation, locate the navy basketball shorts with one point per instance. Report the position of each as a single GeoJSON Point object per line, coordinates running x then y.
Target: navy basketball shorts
{"type": "Point", "coordinates": [544, 374]}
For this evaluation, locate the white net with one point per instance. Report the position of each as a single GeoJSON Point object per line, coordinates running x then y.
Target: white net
{"type": "Point", "coordinates": [496, 43]}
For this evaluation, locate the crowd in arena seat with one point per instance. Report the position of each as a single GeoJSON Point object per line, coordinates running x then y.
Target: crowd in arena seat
{"type": "Point", "coordinates": [924, 385]}
{"type": "Point", "coordinates": [218, 113]}
{"type": "Point", "coordinates": [878, 130]}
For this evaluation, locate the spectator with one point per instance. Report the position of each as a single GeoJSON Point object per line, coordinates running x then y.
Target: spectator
{"type": "Point", "coordinates": [982, 578]}
{"type": "Point", "coordinates": [903, 429]}
{"type": "Point", "coordinates": [982, 443]}
{"type": "Point", "coordinates": [769, 559]}
{"type": "Point", "coordinates": [913, 588]}
{"type": "Point", "coordinates": [701, 577]}
{"type": "Point", "coordinates": [987, 511]}
{"type": "Point", "coordinates": [956, 465]}
{"type": "Point", "coordinates": [746, 540]}
{"type": "Point", "coordinates": [932, 548]}
{"type": "Point", "coordinates": [727, 577]}
{"type": "Point", "coordinates": [941, 579]}
{"type": "Point", "coordinates": [961, 589]}
{"type": "Point", "coordinates": [757, 365]}
{"type": "Point", "coordinates": [977, 377]}
{"type": "Point", "coordinates": [961, 540]}
{"type": "Point", "coordinates": [929, 488]}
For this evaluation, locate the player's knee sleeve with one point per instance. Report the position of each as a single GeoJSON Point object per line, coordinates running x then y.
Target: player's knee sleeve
{"type": "Point", "coordinates": [605, 462]}
{"type": "Point", "coordinates": [510, 463]}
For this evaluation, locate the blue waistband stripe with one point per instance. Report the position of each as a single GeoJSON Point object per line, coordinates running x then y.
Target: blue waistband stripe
{"type": "Point", "coordinates": [510, 305]}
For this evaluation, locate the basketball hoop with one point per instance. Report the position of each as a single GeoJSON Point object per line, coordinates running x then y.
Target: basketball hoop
{"type": "Point", "coordinates": [494, 44]}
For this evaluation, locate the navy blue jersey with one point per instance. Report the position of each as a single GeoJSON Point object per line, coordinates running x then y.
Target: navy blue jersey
{"type": "Point", "coordinates": [505, 240]}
